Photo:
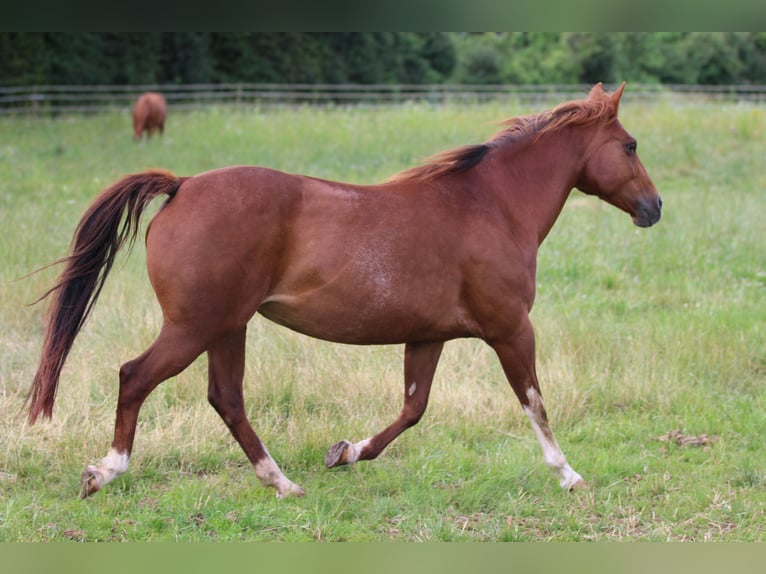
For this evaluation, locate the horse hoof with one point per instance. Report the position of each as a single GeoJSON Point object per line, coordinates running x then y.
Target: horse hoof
{"type": "Point", "coordinates": [90, 481]}
{"type": "Point", "coordinates": [292, 490]}
{"type": "Point", "coordinates": [338, 454]}
{"type": "Point", "coordinates": [297, 491]}
{"type": "Point", "coordinates": [579, 485]}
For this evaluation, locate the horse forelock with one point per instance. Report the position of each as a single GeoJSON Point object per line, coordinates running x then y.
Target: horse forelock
{"type": "Point", "coordinates": [515, 130]}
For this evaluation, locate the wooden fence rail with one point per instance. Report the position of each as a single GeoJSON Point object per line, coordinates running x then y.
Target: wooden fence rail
{"type": "Point", "coordinates": [79, 99]}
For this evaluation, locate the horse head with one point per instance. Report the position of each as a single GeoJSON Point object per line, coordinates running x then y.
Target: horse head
{"type": "Point", "coordinates": [612, 170]}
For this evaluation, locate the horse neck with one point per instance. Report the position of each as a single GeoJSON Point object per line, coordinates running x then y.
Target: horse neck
{"type": "Point", "coordinates": [534, 178]}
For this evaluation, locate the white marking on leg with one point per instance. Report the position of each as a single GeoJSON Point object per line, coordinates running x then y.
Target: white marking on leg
{"type": "Point", "coordinates": [552, 454]}
{"type": "Point", "coordinates": [269, 473]}
{"type": "Point", "coordinates": [345, 452]}
{"type": "Point", "coordinates": [111, 466]}
{"type": "Point", "coordinates": [352, 451]}
{"type": "Point", "coordinates": [412, 389]}
{"type": "Point", "coordinates": [355, 450]}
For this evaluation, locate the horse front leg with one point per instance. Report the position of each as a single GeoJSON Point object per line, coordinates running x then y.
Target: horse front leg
{"type": "Point", "coordinates": [517, 357]}
{"type": "Point", "coordinates": [420, 361]}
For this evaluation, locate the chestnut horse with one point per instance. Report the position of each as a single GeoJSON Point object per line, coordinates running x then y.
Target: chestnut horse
{"type": "Point", "coordinates": [149, 114]}
{"type": "Point", "coordinates": [438, 252]}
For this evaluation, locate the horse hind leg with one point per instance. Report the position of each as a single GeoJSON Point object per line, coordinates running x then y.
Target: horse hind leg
{"type": "Point", "coordinates": [420, 362]}
{"type": "Point", "coordinates": [171, 353]}
{"type": "Point", "coordinates": [226, 365]}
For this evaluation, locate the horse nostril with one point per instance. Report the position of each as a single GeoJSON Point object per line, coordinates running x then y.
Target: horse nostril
{"type": "Point", "coordinates": [659, 202]}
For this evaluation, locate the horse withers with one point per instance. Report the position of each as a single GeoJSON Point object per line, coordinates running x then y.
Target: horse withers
{"type": "Point", "coordinates": [442, 251]}
{"type": "Point", "coordinates": [149, 114]}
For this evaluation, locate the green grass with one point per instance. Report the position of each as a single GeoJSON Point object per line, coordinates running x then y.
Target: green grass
{"type": "Point", "coordinates": [640, 332]}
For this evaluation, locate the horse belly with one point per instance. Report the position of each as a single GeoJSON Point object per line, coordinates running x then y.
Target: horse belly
{"type": "Point", "coordinates": [380, 315]}
{"type": "Point", "coordinates": [347, 325]}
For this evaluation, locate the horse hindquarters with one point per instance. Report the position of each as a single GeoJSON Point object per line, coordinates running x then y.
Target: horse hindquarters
{"type": "Point", "coordinates": [194, 263]}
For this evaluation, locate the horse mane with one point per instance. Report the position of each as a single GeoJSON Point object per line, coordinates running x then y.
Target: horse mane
{"type": "Point", "coordinates": [516, 129]}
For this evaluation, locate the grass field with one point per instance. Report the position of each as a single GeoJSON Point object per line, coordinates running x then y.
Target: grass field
{"type": "Point", "coordinates": [651, 352]}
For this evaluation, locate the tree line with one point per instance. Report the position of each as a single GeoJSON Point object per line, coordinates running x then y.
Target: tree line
{"type": "Point", "coordinates": [118, 58]}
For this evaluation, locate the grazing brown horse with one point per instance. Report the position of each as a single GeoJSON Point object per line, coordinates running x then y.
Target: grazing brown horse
{"type": "Point", "coordinates": [149, 114]}
{"type": "Point", "coordinates": [438, 252]}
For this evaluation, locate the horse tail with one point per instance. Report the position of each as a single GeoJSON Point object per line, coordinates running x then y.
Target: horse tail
{"type": "Point", "coordinates": [110, 221]}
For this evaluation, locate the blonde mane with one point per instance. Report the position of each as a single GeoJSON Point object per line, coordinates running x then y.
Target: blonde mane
{"type": "Point", "coordinates": [576, 112]}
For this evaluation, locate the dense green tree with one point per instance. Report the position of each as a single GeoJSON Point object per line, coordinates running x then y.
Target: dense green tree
{"type": "Point", "coordinates": [439, 53]}
{"type": "Point", "coordinates": [402, 58]}
{"type": "Point", "coordinates": [753, 55]}
{"type": "Point", "coordinates": [234, 55]}
{"type": "Point", "coordinates": [415, 68]}
{"type": "Point", "coordinates": [381, 57]}
{"type": "Point", "coordinates": [635, 57]}
{"type": "Point", "coordinates": [186, 57]}
{"type": "Point", "coordinates": [356, 57]}
{"type": "Point", "coordinates": [267, 59]}
{"type": "Point", "coordinates": [480, 58]}
{"type": "Point", "coordinates": [538, 58]}
{"type": "Point", "coordinates": [309, 60]}
{"type": "Point", "coordinates": [593, 54]}
{"type": "Point", "coordinates": [713, 58]}
{"type": "Point", "coordinates": [134, 57]}
{"type": "Point", "coordinates": [77, 59]}
{"type": "Point", "coordinates": [24, 59]}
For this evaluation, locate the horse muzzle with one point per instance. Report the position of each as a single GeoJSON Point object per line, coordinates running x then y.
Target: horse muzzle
{"type": "Point", "coordinates": [648, 212]}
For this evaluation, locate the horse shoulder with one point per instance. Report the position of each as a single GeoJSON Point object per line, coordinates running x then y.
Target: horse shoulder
{"type": "Point", "coordinates": [499, 269]}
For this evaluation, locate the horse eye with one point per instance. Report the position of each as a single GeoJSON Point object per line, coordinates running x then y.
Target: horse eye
{"type": "Point", "coordinates": [631, 147]}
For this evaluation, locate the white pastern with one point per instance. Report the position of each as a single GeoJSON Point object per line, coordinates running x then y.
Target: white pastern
{"type": "Point", "coordinates": [269, 473]}
{"type": "Point", "coordinates": [111, 466]}
{"type": "Point", "coordinates": [552, 454]}
{"type": "Point", "coordinates": [355, 451]}
{"type": "Point", "coordinates": [551, 451]}
{"type": "Point", "coordinates": [569, 478]}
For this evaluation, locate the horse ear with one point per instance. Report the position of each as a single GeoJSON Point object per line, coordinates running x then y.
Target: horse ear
{"type": "Point", "coordinates": [596, 91]}
{"type": "Point", "coordinates": [616, 97]}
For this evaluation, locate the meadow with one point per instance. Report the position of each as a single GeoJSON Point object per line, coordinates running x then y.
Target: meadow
{"type": "Point", "coordinates": [651, 351]}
